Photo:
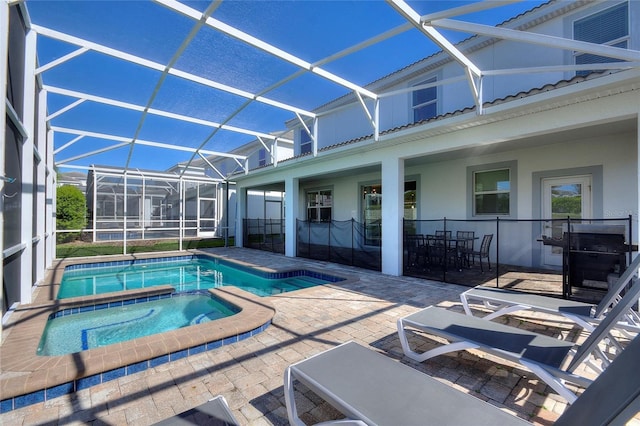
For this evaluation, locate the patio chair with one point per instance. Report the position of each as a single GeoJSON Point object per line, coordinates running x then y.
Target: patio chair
{"type": "Point", "coordinates": [483, 253]}
{"type": "Point", "coordinates": [416, 249]}
{"type": "Point", "coordinates": [372, 389]}
{"type": "Point", "coordinates": [543, 355]}
{"type": "Point", "coordinates": [586, 315]}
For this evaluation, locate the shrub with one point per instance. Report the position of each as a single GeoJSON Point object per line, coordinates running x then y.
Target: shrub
{"type": "Point", "coordinates": [71, 212]}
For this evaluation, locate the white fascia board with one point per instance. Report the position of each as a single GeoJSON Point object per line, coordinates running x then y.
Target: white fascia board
{"type": "Point", "coordinates": [564, 68]}
{"type": "Point", "coordinates": [540, 39]}
{"type": "Point", "coordinates": [266, 47]}
{"type": "Point", "coordinates": [142, 142]}
{"type": "Point", "coordinates": [162, 68]}
{"type": "Point", "coordinates": [140, 108]}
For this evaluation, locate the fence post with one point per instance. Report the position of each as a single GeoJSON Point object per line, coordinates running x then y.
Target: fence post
{"type": "Point", "coordinates": [497, 252]}
{"type": "Point", "coordinates": [329, 241]}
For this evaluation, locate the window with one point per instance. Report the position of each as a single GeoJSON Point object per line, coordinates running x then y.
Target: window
{"type": "Point", "coordinates": [492, 192]}
{"type": "Point", "coordinates": [425, 101]}
{"type": "Point", "coordinates": [262, 157]}
{"type": "Point", "coordinates": [305, 142]}
{"type": "Point", "coordinates": [319, 205]}
{"type": "Point", "coordinates": [610, 26]}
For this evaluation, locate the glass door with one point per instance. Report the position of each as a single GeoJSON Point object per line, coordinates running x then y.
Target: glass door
{"type": "Point", "coordinates": [562, 198]}
{"type": "Point", "coordinates": [372, 214]}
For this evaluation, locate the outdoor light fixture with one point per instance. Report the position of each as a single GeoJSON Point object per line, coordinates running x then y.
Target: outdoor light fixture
{"type": "Point", "coordinates": [7, 179]}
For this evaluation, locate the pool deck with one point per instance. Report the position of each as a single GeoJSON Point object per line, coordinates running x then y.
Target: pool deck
{"type": "Point", "coordinates": [249, 373]}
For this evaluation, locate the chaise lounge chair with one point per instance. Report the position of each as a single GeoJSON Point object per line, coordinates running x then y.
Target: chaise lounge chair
{"type": "Point", "coordinates": [586, 315]}
{"type": "Point", "coordinates": [371, 389]}
{"type": "Point", "coordinates": [214, 412]}
{"type": "Point", "coordinates": [543, 355]}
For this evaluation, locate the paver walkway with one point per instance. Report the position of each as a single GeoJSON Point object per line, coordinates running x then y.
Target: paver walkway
{"type": "Point", "coordinates": [250, 373]}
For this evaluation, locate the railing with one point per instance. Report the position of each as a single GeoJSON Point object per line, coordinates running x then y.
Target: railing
{"type": "Point", "coordinates": [517, 249]}
{"type": "Point", "coordinates": [345, 242]}
{"type": "Point", "coordinates": [264, 234]}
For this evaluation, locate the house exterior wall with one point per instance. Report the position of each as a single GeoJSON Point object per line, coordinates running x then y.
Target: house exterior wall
{"type": "Point", "coordinates": [351, 122]}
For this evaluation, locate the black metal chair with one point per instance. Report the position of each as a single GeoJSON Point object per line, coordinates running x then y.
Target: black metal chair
{"type": "Point", "coordinates": [465, 240]}
{"type": "Point", "coordinates": [483, 253]}
{"type": "Point", "coordinates": [416, 249]}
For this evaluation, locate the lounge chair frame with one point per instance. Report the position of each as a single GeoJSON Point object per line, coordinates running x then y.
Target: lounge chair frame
{"type": "Point", "coordinates": [543, 355]}
{"type": "Point", "coordinates": [586, 315]}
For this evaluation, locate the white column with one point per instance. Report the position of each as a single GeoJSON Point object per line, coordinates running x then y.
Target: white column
{"type": "Point", "coordinates": [28, 186]}
{"type": "Point", "coordinates": [241, 214]}
{"type": "Point", "coordinates": [125, 212]}
{"type": "Point", "coordinates": [50, 189]}
{"type": "Point", "coordinates": [392, 214]}
{"type": "Point", "coordinates": [40, 190]}
{"type": "Point", "coordinates": [291, 208]}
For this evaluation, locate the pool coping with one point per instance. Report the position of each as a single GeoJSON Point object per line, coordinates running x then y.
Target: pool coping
{"type": "Point", "coordinates": [27, 378]}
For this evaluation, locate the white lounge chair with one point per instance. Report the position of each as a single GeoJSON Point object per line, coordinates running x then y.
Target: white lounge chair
{"type": "Point", "coordinates": [551, 359]}
{"type": "Point", "coordinates": [372, 389]}
{"type": "Point", "coordinates": [586, 315]}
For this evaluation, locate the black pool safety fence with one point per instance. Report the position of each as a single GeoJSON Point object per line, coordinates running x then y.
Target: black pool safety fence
{"type": "Point", "coordinates": [346, 242]}
{"type": "Point", "coordinates": [264, 234]}
{"type": "Point", "coordinates": [558, 256]}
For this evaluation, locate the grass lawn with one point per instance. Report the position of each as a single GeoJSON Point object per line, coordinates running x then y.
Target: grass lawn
{"type": "Point", "coordinates": [81, 249]}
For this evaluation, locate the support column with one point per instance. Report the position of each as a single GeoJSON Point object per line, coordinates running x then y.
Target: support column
{"type": "Point", "coordinates": [241, 214]}
{"type": "Point", "coordinates": [392, 214]}
{"type": "Point", "coordinates": [50, 189]}
{"type": "Point", "coordinates": [291, 208]}
{"type": "Point", "coordinates": [28, 185]}
{"type": "Point", "coordinates": [40, 189]}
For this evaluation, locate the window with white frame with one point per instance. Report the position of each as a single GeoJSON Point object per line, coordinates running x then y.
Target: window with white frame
{"type": "Point", "coordinates": [319, 205]}
{"type": "Point", "coordinates": [305, 142]}
{"type": "Point", "coordinates": [262, 157]}
{"type": "Point", "coordinates": [492, 192]}
{"type": "Point", "coordinates": [609, 26]}
{"type": "Point", "coordinates": [425, 100]}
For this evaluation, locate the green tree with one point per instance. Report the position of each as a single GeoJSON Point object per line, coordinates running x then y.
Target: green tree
{"type": "Point", "coordinates": [71, 212]}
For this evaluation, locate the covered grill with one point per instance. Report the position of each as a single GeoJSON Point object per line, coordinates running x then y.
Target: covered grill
{"type": "Point", "coordinates": [593, 255]}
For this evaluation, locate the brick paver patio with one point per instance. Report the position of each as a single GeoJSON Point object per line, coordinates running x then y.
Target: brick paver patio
{"type": "Point", "coordinates": [250, 373]}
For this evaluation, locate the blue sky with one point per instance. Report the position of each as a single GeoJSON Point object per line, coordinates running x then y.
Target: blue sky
{"type": "Point", "coordinates": [310, 30]}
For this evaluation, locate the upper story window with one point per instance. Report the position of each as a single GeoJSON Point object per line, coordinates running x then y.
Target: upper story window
{"type": "Point", "coordinates": [262, 157]}
{"type": "Point", "coordinates": [609, 26]}
{"type": "Point", "coordinates": [305, 142]}
{"type": "Point", "coordinates": [492, 192]}
{"type": "Point", "coordinates": [425, 101]}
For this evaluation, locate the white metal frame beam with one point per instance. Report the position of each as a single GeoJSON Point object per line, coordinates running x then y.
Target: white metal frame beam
{"type": "Point", "coordinates": [539, 39]}
{"type": "Point", "coordinates": [154, 111]}
{"type": "Point", "coordinates": [46, 32]}
{"type": "Point", "coordinates": [474, 74]}
{"type": "Point", "coordinates": [127, 140]}
{"type": "Point", "coordinates": [264, 46]}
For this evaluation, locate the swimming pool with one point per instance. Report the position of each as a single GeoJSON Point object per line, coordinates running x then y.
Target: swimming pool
{"type": "Point", "coordinates": [85, 328]}
{"type": "Point", "coordinates": [184, 273]}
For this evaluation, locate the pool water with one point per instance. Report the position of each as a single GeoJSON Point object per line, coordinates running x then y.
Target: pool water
{"type": "Point", "coordinates": [193, 273]}
{"type": "Point", "coordinates": [96, 328]}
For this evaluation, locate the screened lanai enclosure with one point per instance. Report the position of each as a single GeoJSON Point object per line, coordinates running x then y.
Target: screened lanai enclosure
{"type": "Point", "coordinates": [140, 205]}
